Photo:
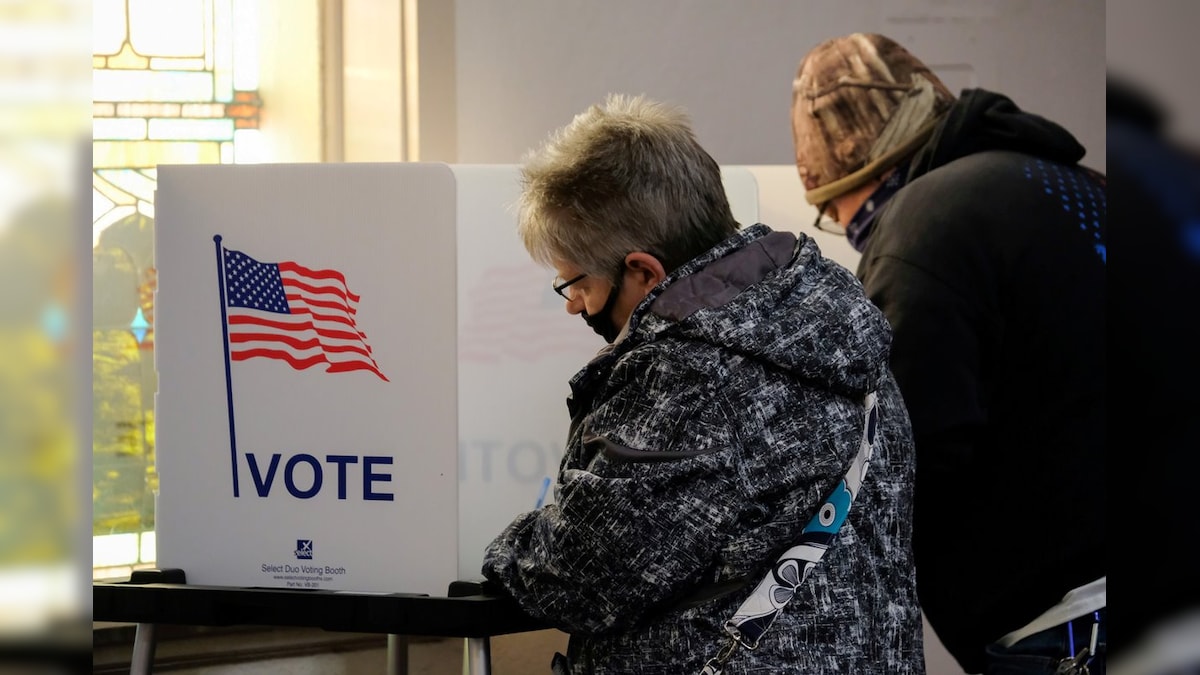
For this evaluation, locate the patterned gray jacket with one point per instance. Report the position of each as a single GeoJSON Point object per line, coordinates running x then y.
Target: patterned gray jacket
{"type": "Point", "coordinates": [701, 443]}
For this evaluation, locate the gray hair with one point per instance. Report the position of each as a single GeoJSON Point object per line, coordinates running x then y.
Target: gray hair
{"type": "Point", "coordinates": [624, 176]}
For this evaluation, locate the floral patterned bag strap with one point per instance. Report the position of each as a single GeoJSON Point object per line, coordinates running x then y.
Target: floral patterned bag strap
{"type": "Point", "coordinates": [755, 616]}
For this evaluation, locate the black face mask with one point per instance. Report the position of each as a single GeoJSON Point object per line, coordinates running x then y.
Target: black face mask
{"type": "Point", "coordinates": [601, 321]}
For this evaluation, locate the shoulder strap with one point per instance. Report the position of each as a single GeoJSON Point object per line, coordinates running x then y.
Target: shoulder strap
{"type": "Point", "coordinates": [755, 616]}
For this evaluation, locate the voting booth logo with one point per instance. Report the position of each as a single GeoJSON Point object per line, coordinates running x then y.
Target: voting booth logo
{"type": "Point", "coordinates": [305, 318]}
{"type": "Point", "coordinates": [304, 549]}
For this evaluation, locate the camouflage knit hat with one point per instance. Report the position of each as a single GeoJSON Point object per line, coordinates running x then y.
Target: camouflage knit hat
{"type": "Point", "coordinates": [860, 103]}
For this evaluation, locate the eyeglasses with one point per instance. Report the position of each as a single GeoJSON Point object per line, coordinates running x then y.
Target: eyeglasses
{"type": "Point", "coordinates": [560, 286]}
{"type": "Point", "coordinates": [829, 225]}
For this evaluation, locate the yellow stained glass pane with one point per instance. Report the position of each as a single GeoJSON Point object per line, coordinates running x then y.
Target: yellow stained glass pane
{"type": "Point", "coordinates": [245, 46]}
{"type": "Point", "coordinates": [209, 39]}
{"type": "Point", "coordinates": [223, 49]}
{"type": "Point", "coordinates": [128, 59]}
{"type": "Point", "coordinates": [185, 72]}
{"type": "Point", "coordinates": [105, 220]}
{"type": "Point", "coordinates": [114, 549]}
{"type": "Point", "coordinates": [161, 63]}
{"type": "Point", "coordinates": [191, 129]}
{"type": "Point", "coordinates": [110, 192]}
{"type": "Point", "coordinates": [148, 110]}
{"type": "Point", "coordinates": [167, 27]}
{"type": "Point", "coordinates": [100, 204]}
{"type": "Point", "coordinates": [203, 110]}
{"type": "Point", "coordinates": [130, 181]}
{"type": "Point", "coordinates": [144, 85]}
{"type": "Point", "coordinates": [43, 119]}
{"type": "Point", "coordinates": [108, 26]}
{"type": "Point", "coordinates": [248, 147]}
{"type": "Point", "coordinates": [119, 129]}
{"type": "Point", "coordinates": [122, 154]}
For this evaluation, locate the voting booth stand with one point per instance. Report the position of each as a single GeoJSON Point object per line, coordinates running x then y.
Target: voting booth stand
{"type": "Point", "coordinates": [361, 381]}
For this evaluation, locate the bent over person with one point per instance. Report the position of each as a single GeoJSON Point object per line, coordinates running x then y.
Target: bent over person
{"type": "Point", "coordinates": [718, 439]}
{"type": "Point", "coordinates": [983, 241]}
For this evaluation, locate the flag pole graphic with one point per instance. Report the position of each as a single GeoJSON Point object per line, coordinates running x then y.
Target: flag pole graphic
{"type": "Point", "coordinates": [228, 378]}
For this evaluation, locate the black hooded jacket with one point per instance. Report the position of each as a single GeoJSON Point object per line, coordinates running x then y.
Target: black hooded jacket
{"type": "Point", "coordinates": [1157, 221]}
{"type": "Point", "coordinates": [990, 265]}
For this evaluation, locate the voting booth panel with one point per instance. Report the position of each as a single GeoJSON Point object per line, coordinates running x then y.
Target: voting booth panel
{"type": "Point", "coordinates": [362, 375]}
{"type": "Point", "coordinates": [306, 407]}
{"type": "Point", "coordinates": [782, 205]}
{"type": "Point", "coordinates": [518, 347]}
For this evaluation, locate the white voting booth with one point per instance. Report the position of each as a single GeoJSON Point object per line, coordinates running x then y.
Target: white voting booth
{"type": "Point", "coordinates": [362, 376]}
{"type": "Point", "coordinates": [306, 405]}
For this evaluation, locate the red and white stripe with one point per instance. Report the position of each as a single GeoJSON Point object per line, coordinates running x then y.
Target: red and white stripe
{"type": "Point", "coordinates": [321, 328]}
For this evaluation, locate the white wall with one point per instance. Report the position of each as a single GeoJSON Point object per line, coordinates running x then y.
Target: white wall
{"type": "Point", "coordinates": [1145, 41]}
{"type": "Point", "coordinates": [525, 67]}
{"type": "Point", "coordinates": [289, 72]}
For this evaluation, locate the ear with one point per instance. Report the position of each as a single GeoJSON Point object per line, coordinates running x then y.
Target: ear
{"type": "Point", "coordinates": [645, 269]}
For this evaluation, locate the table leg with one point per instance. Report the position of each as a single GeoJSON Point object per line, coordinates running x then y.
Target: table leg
{"type": "Point", "coordinates": [479, 656]}
{"type": "Point", "coordinates": [142, 661]}
{"type": "Point", "coordinates": [397, 654]}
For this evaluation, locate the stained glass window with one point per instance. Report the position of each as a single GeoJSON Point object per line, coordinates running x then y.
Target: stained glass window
{"type": "Point", "coordinates": [174, 82]}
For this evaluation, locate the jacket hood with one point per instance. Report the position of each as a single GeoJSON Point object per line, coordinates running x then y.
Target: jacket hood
{"type": "Point", "coordinates": [773, 297]}
{"type": "Point", "coordinates": [982, 120]}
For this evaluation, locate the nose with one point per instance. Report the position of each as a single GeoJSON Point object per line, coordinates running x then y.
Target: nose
{"type": "Point", "coordinates": [574, 303]}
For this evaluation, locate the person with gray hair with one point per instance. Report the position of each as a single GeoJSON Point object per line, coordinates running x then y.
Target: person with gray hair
{"type": "Point", "coordinates": [740, 422]}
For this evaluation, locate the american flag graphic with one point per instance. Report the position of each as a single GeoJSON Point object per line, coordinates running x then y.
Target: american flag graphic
{"type": "Point", "coordinates": [289, 312]}
{"type": "Point", "coordinates": [510, 312]}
